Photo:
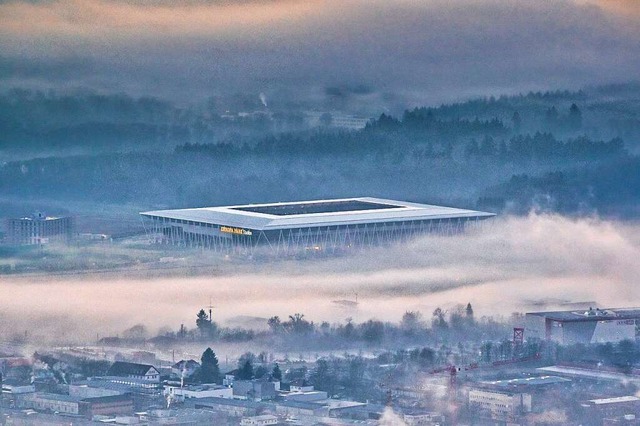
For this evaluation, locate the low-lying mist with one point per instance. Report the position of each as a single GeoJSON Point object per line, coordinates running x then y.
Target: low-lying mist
{"type": "Point", "coordinates": [511, 264]}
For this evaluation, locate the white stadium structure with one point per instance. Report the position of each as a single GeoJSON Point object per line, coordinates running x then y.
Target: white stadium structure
{"type": "Point", "coordinates": [326, 226]}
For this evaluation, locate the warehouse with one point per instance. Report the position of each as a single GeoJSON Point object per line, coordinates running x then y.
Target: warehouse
{"type": "Point", "coordinates": [584, 326]}
{"type": "Point", "coordinates": [324, 226]}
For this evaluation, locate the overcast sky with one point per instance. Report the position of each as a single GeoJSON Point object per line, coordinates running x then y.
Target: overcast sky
{"type": "Point", "coordinates": [423, 51]}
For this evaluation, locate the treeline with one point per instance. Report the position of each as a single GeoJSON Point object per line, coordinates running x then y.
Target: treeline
{"type": "Point", "coordinates": [297, 332]}
{"type": "Point", "coordinates": [610, 189]}
{"type": "Point", "coordinates": [51, 122]}
{"type": "Point", "coordinates": [38, 120]}
{"type": "Point", "coordinates": [536, 147]}
{"type": "Point", "coordinates": [494, 154]}
{"type": "Point", "coordinates": [544, 146]}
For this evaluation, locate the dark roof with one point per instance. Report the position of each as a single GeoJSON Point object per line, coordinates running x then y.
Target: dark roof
{"type": "Point", "coordinates": [213, 401]}
{"type": "Point", "coordinates": [590, 314]}
{"type": "Point", "coordinates": [121, 368]}
{"type": "Point", "coordinates": [106, 399]}
{"type": "Point", "coordinates": [331, 206]}
{"type": "Point", "coordinates": [186, 363]}
{"type": "Point", "coordinates": [305, 405]}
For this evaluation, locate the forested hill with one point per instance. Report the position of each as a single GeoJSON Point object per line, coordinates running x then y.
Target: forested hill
{"type": "Point", "coordinates": [33, 122]}
{"type": "Point", "coordinates": [571, 152]}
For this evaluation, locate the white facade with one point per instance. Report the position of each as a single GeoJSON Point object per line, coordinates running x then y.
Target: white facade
{"type": "Point", "coordinates": [500, 405]}
{"type": "Point", "coordinates": [336, 119]}
{"type": "Point", "coordinates": [204, 391]}
{"type": "Point", "coordinates": [18, 389]}
{"type": "Point", "coordinates": [301, 388]}
{"type": "Point", "coordinates": [264, 420]}
{"type": "Point", "coordinates": [51, 402]}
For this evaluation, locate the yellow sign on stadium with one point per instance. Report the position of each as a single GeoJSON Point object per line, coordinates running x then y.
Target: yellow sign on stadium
{"type": "Point", "coordinates": [236, 231]}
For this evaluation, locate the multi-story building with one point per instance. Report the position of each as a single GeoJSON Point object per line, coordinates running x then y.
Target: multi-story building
{"type": "Point", "coordinates": [42, 401]}
{"type": "Point", "coordinates": [39, 229]}
{"type": "Point", "coordinates": [584, 326]}
{"type": "Point", "coordinates": [255, 390]}
{"type": "Point", "coordinates": [140, 373]}
{"type": "Point", "coordinates": [106, 405]}
{"type": "Point", "coordinates": [499, 404]}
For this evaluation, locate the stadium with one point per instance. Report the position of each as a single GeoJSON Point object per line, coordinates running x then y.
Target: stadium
{"type": "Point", "coordinates": [290, 228]}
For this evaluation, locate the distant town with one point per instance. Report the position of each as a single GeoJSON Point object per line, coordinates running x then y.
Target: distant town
{"type": "Point", "coordinates": [572, 367]}
{"type": "Point", "coordinates": [575, 366]}
{"type": "Point", "coordinates": [320, 213]}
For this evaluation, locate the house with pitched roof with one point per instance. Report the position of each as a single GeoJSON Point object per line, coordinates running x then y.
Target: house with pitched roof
{"type": "Point", "coordinates": [131, 370]}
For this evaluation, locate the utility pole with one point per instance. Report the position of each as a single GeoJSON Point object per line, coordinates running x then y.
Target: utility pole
{"type": "Point", "coordinates": [210, 311]}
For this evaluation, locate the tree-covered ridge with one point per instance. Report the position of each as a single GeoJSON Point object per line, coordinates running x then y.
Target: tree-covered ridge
{"type": "Point", "coordinates": [503, 155]}
{"type": "Point", "coordinates": [37, 120]}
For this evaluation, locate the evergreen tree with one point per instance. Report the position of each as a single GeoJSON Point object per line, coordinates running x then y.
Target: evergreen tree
{"type": "Point", "coordinates": [202, 319]}
{"type": "Point", "coordinates": [551, 116]}
{"type": "Point", "coordinates": [205, 325]}
{"type": "Point", "coordinates": [575, 117]}
{"type": "Point", "coordinates": [246, 371]}
{"type": "Point", "coordinates": [209, 369]}
{"type": "Point", "coordinates": [260, 372]}
{"type": "Point", "coordinates": [410, 323]}
{"type": "Point", "coordinates": [276, 374]}
{"type": "Point", "coordinates": [517, 121]}
{"type": "Point", "coordinates": [321, 376]}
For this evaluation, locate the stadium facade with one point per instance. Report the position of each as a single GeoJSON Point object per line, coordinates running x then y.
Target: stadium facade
{"type": "Point", "coordinates": [326, 226]}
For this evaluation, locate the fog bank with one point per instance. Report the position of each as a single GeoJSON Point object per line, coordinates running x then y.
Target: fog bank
{"type": "Point", "coordinates": [513, 264]}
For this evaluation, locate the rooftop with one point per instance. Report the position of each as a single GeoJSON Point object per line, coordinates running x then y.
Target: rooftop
{"type": "Point", "coordinates": [347, 211]}
{"type": "Point", "coordinates": [589, 373]}
{"type": "Point", "coordinates": [124, 369]}
{"type": "Point", "coordinates": [107, 399]}
{"type": "Point", "coordinates": [329, 206]}
{"type": "Point", "coordinates": [213, 401]}
{"type": "Point", "coordinates": [41, 217]}
{"type": "Point", "coordinates": [615, 400]}
{"type": "Point", "coordinates": [186, 363]}
{"type": "Point", "coordinates": [55, 397]}
{"type": "Point", "coordinates": [527, 381]}
{"type": "Point", "coordinates": [590, 314]}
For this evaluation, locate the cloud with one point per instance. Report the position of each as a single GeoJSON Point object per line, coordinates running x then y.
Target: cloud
{"type": "Point", "coordinates": [514, 264]}
{"type": "Point", "coordinates": [428, 51]}
{"type": "Point", "coordinates": [624, 8]}
{"type": "Point", "coordinates": [389, 418]}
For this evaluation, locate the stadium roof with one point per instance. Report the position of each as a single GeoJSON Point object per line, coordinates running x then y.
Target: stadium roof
{"type": "Point", "coordinates": [590, 314]}
{"type": "Point", "coordinates": [302, 214]}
